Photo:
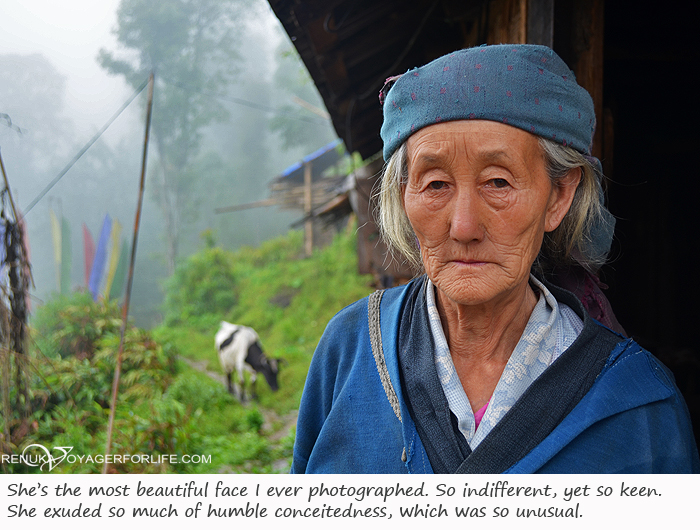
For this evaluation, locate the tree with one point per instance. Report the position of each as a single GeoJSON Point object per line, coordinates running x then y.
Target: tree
{"type": "Point", "coordinates": [302, 124]}
{"type": "Point", "coordinates": [32, 97]}
{"type": "Point", "coordinates": [191, 47]}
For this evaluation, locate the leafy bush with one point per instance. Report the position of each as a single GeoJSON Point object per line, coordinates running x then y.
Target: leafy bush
{"type": "Point", "coordinates": [203, 285]}
{"type": "Point", "coordinates": [147, 368]}
{"type": "Point", "coordinates": [71, 325]}
{"type": "Point", "coordinates": [74, 369]}
{"type": "Point", "coordinates": [79, 340]}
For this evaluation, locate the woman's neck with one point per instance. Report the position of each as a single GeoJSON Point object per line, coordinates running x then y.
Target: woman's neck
{"type": "Point", "coordinates": [482, 338]}
{"type": "Point", "coordinates": [483, 331]}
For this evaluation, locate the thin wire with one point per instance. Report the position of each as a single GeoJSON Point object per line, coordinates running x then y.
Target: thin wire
{"type": "Point", "coordinates": [84, 149]}
{"type": "Point", "coordinates": [245, 103]}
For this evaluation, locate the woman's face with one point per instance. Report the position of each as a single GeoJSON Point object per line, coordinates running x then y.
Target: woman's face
{"type": "Point", "coordinates": [479, 200]}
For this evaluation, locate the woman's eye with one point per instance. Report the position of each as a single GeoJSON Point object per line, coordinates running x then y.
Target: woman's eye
{"type": "Point", "coordinates": [437, 185]}
{"type": "Point", "coordinates": [499, 183]}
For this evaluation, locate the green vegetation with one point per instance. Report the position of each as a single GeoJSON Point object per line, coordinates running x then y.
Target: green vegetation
{"type": "Point", "coordinates": [167, 407]}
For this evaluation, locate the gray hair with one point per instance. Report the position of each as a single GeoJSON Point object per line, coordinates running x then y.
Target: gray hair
{"type": "Point", "coordinates": [572, 241]}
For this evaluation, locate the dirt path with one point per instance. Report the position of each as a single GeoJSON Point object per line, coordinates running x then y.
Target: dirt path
{"type": "Point", "coordinates": [201, 366]}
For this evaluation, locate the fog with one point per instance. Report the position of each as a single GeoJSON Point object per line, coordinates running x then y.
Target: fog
{"type": "Point", "coordinates": [58, 96]}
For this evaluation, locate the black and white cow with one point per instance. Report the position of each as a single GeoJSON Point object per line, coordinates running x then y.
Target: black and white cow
{"type": "Point", "coordinates": [239, 350]}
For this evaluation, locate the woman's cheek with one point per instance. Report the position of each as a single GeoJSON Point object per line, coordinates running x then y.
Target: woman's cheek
{"type": "Point", "coordinates": [415, 217]}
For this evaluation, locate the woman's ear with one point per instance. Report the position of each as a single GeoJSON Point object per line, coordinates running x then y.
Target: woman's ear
{"type": "Point", "coordinates": [562, 196]}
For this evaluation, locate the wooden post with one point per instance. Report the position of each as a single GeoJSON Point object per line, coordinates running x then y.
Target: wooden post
{"type": "Point", "coordinates": [578, 39]}
{"type": "Point", "coordinates": [540, 22]}
{"type": "Point", "coordinates": [309, 223]}
{"type": "Point", "coordinates": [130, 278]}
{"type": "Point", "coordinates": [589, 70]}
{"type": "Point", "coordinates": [507, 21]}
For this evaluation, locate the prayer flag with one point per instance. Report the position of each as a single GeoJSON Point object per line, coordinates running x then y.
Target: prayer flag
{"type": "Point", "coordinates": [113, 257]}
{"type": "Point", "coordinates": [89, 251]}
{"type": "Point", "coordinates": [120, 274]}
{"type": "Point", "coordinates": [57, 247]}
{"type": "Point", "coordinates": [98, 263]}
{"type": "Point", "coordinates": [66, 257]}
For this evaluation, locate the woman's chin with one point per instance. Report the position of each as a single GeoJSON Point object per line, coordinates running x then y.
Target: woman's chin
{"type": "Point", "coordinates": [474, 283]}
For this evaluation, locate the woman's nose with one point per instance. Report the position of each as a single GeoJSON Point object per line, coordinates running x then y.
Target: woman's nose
{"type": "Point", "coordinates": [466, 222]}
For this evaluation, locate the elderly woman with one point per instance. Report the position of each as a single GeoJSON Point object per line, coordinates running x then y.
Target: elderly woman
{"type": "Point", "coordinates": [479, 365]}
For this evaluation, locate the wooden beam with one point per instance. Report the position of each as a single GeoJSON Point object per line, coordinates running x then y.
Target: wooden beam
{"type": "Point", "coordinates": [246, 206]}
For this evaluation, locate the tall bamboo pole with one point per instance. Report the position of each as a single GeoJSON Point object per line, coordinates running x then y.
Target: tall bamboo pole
{"type": "Point", "coordinates": [127, 295]}
{"type": "Point", "coordinates": [308, 207]}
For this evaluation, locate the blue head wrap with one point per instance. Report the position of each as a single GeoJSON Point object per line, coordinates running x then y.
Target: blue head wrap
{"type": "Point", "coordinates": [523, 85]}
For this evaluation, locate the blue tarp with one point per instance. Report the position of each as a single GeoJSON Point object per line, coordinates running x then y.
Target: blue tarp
{"type": "Point", "coordinates": [322, 159]}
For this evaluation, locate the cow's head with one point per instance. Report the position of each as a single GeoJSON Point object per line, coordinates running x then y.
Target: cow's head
{"type": "Point", "coordinates": [270, 369]}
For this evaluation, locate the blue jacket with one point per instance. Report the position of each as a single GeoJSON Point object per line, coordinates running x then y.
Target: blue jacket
{"type": "Point", "coordinates": [631, 420]}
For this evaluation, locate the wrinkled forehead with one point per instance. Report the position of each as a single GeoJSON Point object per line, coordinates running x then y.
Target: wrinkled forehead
{"type": "Point", "coordinates": [473, 137]}
{"type": "Point", "coordinates": [527, 87]}
{"type": "Point", "coordinates": [473, 145]}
